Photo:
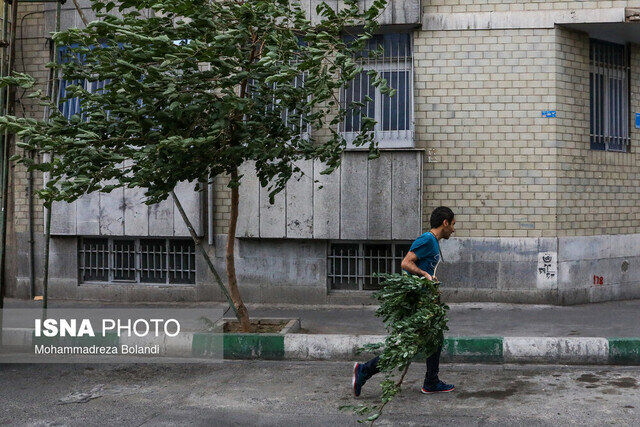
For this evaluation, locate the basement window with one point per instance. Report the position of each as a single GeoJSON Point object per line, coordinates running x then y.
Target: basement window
{"type": "Point", "coordinates": [351, 266]}
{"type": "Point", "coordinates": [161, 261]}
{"type": "Point", "coordinates": [609, 87]}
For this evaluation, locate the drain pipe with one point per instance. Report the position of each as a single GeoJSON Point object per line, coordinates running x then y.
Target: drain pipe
{"type": "Point", "coordinates": [210, 211]}
{"type": "Point", "coordinates": [47, 237]}
{"type": "Point", "coordinates": [8, 108]}
{"type": "Point", "coordinates": [32, 250]}
{"type": "Point", "coordinates": [4, 138]}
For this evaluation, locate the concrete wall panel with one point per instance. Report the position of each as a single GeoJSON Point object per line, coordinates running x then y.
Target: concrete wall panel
{"type": "Point", "coordinates": [299, 200]}
{"type": "Point", "coordinates": [88, 212]}
{"type": "Point", "coordinates": [161, 218]}
{"type": "Point", "coordinates": [63, 218]}
{"type": "Point", "coordinates": [191, 203]}
{"type": "Point", "coordinates": [357, 201]}
{"type": "Point", "coordinates": [272, 216]}
{"type": "Point", "coordinates": [136, 212]}
{"type": "Point", "coordinates": [398, 12]}
{"type": "Point", "coordinates": [326, 203]}
{"type": "Point", "coordinates": [379, 198]}
{"type": "Point", "coordinates": [112, 213]}
{"type": "Point", "coordinates": [353, 197]}
{"type": "Point", "coordinates": [406, 203]}
{"type": "Point", "coordinates": [594, 247]}
{"type": "Point", "coordinates": [249, 202]}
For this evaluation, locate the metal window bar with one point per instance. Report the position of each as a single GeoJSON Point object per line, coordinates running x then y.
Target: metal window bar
{"type": "Point", "coordinates": [153, 266]}
{"type": "Point", "coordinates": [72, 106]}
{"type": "Point", "coordinates": [168, 261]}
{"type": "Point", "coordinates": [394, 115]}
{"type": "Point", "coordinates": [182, 268]}
{"type": "Point", "coordinates": [93, 263]}
{"type": "Point", "coordinates": [124, 261]}
{"type": "Point", "coordinates": [300, 124]}
{"type": "Point", "coordinates": [351, 266]}
{"type": "Point", "coordinates": [609, 85]}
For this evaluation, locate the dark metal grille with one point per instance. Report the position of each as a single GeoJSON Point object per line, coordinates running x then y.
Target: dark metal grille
{"type": "Point", "coordinates": [136, 260]}
{"type": "Point", "coordinates": [352, 265]}
{"type": "Point", "coordinates": [290, 116]}
{"type": "Point", "coordinates": [93, 259]}
{"type": "Point", "coordinates": [182, 257]}
{"type": "Point", "coordinates": [124, 260]}
{"type": "Point", "coordinates": [153, 261]}
{"type": "Point", "coordinates": [609, 87]}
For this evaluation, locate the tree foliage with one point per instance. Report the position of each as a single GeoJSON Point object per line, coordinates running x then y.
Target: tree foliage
{"type": "Point", "coordinates": [184, 90]}
{"type": "Point", "coordinates": [416, 320]}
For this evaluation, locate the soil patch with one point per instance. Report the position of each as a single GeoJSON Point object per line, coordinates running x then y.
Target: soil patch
{"type": "Point", "coordinates": [257, 326]}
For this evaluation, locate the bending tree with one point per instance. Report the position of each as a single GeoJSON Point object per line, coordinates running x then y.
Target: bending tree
{"type": "Point", "coordinates": [194, 90]}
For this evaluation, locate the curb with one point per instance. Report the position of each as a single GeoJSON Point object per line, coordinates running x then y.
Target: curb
{"type": "Point", "coordinates": [556, 350]}
{"type": "Point", "coordinates": [550, 350]}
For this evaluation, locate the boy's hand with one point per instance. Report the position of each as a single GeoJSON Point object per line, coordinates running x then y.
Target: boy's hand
{"type": "Point", "coordinates": [428, 276]}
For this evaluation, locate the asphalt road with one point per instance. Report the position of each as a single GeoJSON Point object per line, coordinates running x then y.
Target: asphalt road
{"type": "Point", "coordinates": [296, 393]}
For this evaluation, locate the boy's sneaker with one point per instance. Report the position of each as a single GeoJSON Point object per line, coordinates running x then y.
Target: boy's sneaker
{"type": "Point", "coordinates": [359, 379]}
{"type": "Point", "coordinates": [440, 387]}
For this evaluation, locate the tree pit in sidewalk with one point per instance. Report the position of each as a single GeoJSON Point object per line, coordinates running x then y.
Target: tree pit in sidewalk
{"type": "Point", "coordinates": [257, 326]}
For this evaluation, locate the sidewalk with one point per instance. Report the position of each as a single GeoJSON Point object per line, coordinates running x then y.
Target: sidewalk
{"type": "Point", "coordinates": [604, 333]}
{"type": "Point", "coordinates": [608, 319]}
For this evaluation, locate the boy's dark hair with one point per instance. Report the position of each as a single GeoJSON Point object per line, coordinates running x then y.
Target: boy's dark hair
{"type": "Point", "coordinates": [439, 215]}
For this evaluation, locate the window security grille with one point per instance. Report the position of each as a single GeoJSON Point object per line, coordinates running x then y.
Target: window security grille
{"type": "Point", "coordinates": [394, 115]}
{"type": "Point", "coordinates": [71, 106]}
{"type": "Point", "coordinates": [291, 118]}
{"type": "Point", "coordinates": [609, 86]}
{"type": "Point", "coordinates": [352, 265]}
{"type": "Point", "coordinates": [136, 260]}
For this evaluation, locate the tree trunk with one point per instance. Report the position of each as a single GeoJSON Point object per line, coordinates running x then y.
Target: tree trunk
{"type": "Point", "coordinates": [242, 313]}
{"type": "Point", "coordinates": [204, 253]}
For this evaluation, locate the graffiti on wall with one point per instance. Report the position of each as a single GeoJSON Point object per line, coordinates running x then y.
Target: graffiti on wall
{"type": "Point", "coordinates": [547, 269]}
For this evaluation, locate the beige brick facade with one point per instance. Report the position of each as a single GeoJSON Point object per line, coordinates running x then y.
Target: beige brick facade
{"type": "Point", "coordinates": [522, 185]}
{"type": "Point", "coordinates": [32, 54]}
{"type": "Point", "coordinates": [503, 168]}
{"type": "Point", "coordinates": [508, 171]}
{"type": "Point", "coordinates": [478, 98]}
{"type": "Point", "coordinates": [597, 190]}
{"type": "Point", "coordinates": [461, 6]}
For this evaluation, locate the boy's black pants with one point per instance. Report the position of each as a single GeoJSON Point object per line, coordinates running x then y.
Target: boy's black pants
{"type": "Point", "coordinates": [430, 379]}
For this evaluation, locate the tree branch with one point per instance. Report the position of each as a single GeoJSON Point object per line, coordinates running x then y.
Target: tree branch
{"type": "Point", "coordinates": [81, 13]}
{"type": "Point", "coordinates": [398, 384]}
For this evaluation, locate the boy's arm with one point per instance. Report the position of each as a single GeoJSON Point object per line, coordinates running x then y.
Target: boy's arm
{"type": "Point", "coordinates": [409, 264]}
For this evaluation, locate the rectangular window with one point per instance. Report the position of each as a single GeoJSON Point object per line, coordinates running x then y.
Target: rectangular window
{"type": "Point", "coordinates": [136, 260]}
{"type": "Point", "coordinates": [609, 88]}
{"type": "Point", "coordinates": [394, 115]}
{"type": "Point", "coordinates": [351, 266]}
{"type": "Point", "coordinates": [291, 118]}
{"type": "Point", "coordinates": [72, 106]}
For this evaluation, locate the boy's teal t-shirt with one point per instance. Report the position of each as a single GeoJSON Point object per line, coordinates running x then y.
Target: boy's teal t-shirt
{"type": "Point", "coordinates": [427, 249]}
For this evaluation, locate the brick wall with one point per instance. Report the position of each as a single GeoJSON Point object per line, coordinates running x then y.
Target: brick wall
{"type": "Point", "coordinates": [456, 6]}
{"type": "Point", "coordinates": [492, 158]}
{"type": "Point", "coordinates": [597, 189]}
{"type": "Point", "coordinates": [478, 98]}
{"type": "Point", "coordinates": [221, 205]}
{"type": "Point", "coordinates": [32, 54]}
